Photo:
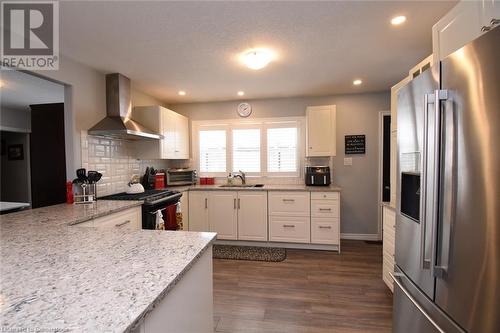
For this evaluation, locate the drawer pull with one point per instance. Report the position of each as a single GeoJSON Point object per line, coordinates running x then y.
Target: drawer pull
{"type": "Point", "coordinates": [288, 200]}
{"type": "Point", "coordinates": [325, 209]}
{"type": "Point", "coordinates": [325, 226]}
{"type": "Point", "coordinates": [121, 224]}
{"type": "Point", "coordinates": [288, 225]}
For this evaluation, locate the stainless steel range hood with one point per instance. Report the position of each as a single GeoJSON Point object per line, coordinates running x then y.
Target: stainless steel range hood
{"type": "Point", "coordinates": [118, 122]}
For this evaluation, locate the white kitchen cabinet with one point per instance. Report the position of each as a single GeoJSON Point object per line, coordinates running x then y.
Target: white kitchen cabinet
{"type": "Point", "coordinates": [325, 218]}
{"type": "Point", "coordinates": [289, 203]}
{"type": "Point", "coordinates": [252, 216]}
{"type": "Point", "coordinates": [198, 211]}
{"type": "Point", "coordinates": [321, 131]}
{"type": "Point", "coordinates": [223, 214]}
{"type": "Point", "coordinates": [293, 229]}
{"type": "Point", "coordinates": [128, 219]}
{"type": "Point", "coordinates": [174, 128]}
{"type": "Point", "coordinates": [462, 24]}
{"type": "Point", "coordinates": [389, 236]}
{"type": "Point", "coordinates": [184, 202]}
{"type": "Point", "coordinates": [289, 216]}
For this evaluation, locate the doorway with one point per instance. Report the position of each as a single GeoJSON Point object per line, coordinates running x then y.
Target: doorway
{"type": "Point", "coordinates": [33, 163]}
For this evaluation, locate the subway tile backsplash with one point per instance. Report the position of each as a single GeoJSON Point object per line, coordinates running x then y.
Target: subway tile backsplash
{"type": "Point", "coordinates": [115, 159]}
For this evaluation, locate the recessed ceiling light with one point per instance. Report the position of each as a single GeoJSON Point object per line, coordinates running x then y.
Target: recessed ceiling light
{"type": "Point", "coordinates": [357, 82]}
{"type": "Point", "coordinates": [241, 93]}
{"type": "Point", "coordinates": [182, 93]}
{"type": "Point", "coordinates": [257, 58]}
{"type": "Point", "coordinates": [397, 20]}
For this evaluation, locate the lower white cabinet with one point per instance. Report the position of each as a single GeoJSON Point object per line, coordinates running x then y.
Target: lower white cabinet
{"type": "Point", "coordinates": [293, 229]}
{"type": "Point", "coordinates": [222, 214]}
{"type": "Point", "coordinates": [184, 202]}
{"type": "Point", "coordinates": [252, 216]}
{"type": "Point", "coordinates": [325, 218]}
{"type": "Point", "coordinates": [198, 211]}
{"type": "Point", "coordinates": [233, 215]}
{"type": "Point", "coordinates": [389, 249]}
{"type": "Point", "coordinates": [130, 219]}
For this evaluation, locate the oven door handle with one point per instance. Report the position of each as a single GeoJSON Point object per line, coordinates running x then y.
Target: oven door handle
{"type": "Point", "coordinates": [159, 201]}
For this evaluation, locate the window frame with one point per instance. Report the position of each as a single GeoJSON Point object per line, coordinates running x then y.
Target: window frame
{"type": "Point", "coordinates": [263, 124]}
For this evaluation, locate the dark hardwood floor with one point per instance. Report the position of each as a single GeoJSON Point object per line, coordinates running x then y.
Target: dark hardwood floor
{"type": "Point", "coordinates": [311, 291]}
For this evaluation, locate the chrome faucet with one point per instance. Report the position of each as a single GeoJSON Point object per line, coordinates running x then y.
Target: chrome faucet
{"type": "Point", "coordinates": [240, 175]}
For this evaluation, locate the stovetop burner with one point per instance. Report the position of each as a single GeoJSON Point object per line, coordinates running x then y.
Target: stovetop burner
{"type": "Point", "coordinates": [147, 196]}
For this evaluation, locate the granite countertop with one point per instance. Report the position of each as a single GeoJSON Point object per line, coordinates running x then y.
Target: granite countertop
{"type": "Point", "coordinates": [267, 187]}
{"type": "Point", "coordinates": [64, 214]}
{"type": "Point", "coordinates": [57, 276]}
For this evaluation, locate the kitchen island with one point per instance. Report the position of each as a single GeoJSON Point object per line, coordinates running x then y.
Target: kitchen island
{"type": "Point", "coordinates": [57, 276]}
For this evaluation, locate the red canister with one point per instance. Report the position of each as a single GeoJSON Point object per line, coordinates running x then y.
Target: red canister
{"type": "Point", "coordinates": [159, 181]}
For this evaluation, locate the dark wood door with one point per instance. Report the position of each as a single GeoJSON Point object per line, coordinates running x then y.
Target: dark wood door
{"type": "Point", "coordinates": [48, 156]}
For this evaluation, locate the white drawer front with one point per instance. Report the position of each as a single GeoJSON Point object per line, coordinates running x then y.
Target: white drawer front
{"type": "Point", "coordinates": [325, 195]}
{"type": "Point", "coordinates": [324, 208]}
{"type": "Point", "coordinates": [127, 219]}
{"type": "Point", "coordinates": [289, 229]}
{"type": "Point", "coordinates": [325, 231]}
{"type": "Point", "coordinates": [289, 203]}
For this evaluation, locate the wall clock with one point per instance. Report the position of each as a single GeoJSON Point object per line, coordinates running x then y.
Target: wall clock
{"type": "Point", "coordinates": [244, 110]}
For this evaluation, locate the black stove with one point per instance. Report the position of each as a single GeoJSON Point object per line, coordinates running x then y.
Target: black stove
{"type": "Point", "coordinates": [154, 201]}
{"type": "Point", "coordinates": [149, 196]}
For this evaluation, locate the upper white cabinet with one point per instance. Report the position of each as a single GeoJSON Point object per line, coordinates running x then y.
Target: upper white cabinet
{"type": "Point", "coordinates": [174, 128]}
{"type": "Point", "coordinates": [321, 131]}
{"type": "Point", "coordinates": [463, 23]}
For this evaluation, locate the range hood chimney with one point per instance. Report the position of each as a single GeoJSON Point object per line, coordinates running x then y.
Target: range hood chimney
{"type": "Point", "coordinates": [118, 122]}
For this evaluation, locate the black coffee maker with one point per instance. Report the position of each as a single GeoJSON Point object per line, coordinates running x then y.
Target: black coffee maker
{"type": "Point", "coordinates": [318, 176]}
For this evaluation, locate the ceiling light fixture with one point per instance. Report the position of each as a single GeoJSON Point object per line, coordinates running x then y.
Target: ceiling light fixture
{"type": "Point", "coordinates": [241, 93]}
{"type": "Point", "coordinates": [182, 93]}
{"type": "Point", "coordinates": [397, 20]}
{"type": "Point", "coordinates": [257, 58]}
{"type": "Point", "coordinates": [357, 82]}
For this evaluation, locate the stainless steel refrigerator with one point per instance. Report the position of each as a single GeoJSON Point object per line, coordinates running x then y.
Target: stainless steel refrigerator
{"type": "Point", "coordinates": [447, 276]}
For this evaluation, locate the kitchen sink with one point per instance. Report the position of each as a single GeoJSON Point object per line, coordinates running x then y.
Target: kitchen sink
{"type": "Point", "coordinates": [242, 185]}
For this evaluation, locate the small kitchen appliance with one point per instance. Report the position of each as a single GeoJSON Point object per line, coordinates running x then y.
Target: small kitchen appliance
{"type": "Point", "coordinates": [181, 177]}
{"type": "Point", "coordinates": [318, 176]}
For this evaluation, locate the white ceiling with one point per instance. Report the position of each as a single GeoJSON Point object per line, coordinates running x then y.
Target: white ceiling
{"type": "Point", "coordinates": [20, 90]}
{"type": "Point", "coordinates": [165, 47]}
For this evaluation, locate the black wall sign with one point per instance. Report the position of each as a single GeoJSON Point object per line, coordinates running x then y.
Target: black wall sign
{"type": "Point", "coordinates": [355, 144]}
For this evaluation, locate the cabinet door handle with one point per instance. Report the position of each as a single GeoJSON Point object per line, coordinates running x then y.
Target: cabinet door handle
{"type": "Point", "coordinates": [325, 209]}
{"type": "Point", "coordinates": [234, 203]}
{"type": "Point", "coordinates": [122, 223]}
{"type": "Point", "coordinates": [325, 227]}
{"type": "Point", "coordinates": [206, 203]}
{"type": "Point", "coordinates": [288, 200]}
{"type": "Point", "coordinates": [288, 226]}
{"type": "Point", "coordinates": [239, 203]}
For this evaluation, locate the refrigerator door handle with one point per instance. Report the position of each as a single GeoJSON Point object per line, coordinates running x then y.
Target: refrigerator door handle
{"type": "Point", "coordinates": [425, 262]}
{"type": "Point", "coordinates": [447, 183]}
{"type": "Point", "coordinates": [439, 95]}
{"type": "Point", "coordinates": [395, 277]}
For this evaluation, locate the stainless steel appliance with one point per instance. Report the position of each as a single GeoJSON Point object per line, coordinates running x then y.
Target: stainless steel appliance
{"type": "Point", "coordinates": [317, 176]}
{"type": "Point", "coordinates": [118, 122]}
{"type": "Point", "coordinates": [181, 177]}
{"type": "Point", "coordinates": [154, 200]}
{"type": "Point", "coordinates": [448, 208]}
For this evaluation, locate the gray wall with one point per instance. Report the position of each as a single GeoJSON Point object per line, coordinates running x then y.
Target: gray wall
{"type": "Point", "coordinates": [356, 114]}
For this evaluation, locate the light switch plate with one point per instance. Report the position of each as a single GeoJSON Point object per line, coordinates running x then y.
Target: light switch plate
{"type": "Point", "coordinates": [347, 160]}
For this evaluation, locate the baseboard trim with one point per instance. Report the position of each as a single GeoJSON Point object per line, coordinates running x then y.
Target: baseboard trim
{"type": "Point", "coordinates": [368, 237]}
{"type": "Point", "coordinates": [304, 246]}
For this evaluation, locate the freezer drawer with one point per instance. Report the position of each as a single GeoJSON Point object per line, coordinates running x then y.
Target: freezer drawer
{"type": "Point", "coordinates": [414, 312]}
